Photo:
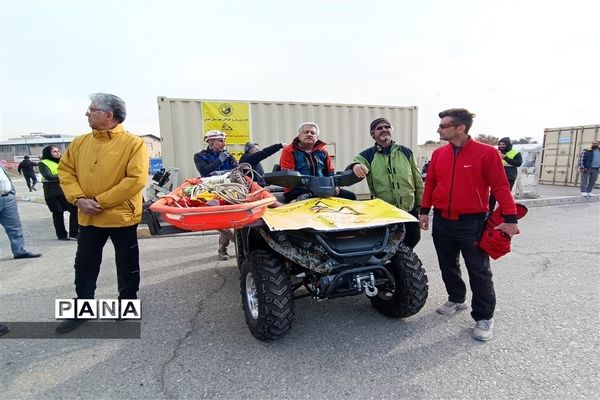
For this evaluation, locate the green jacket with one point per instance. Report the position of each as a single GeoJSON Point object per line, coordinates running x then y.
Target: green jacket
{"type": "Point", "coordinates": [393, 175]}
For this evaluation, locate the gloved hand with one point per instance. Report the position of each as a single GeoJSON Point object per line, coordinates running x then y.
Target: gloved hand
{"type": "Point", "coordinates": [223, 156]}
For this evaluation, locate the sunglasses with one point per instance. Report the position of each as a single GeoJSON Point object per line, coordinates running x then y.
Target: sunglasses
{"type": "Point", "coordinates": [444, 126]}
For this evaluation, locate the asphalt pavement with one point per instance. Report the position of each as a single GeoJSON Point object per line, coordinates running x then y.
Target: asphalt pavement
{"type": "Point", "coordinates": [195, 344]}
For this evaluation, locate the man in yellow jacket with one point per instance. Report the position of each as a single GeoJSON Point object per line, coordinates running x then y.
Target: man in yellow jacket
{"type": "Point", "coordinates": [103, 173]}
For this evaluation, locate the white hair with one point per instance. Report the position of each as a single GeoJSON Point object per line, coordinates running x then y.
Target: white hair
{"type": "Point", "coordinates": [305, 124]}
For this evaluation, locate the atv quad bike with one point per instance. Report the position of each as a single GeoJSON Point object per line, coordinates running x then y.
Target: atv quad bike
{"type": "Point", "coordinates": [279, 266]}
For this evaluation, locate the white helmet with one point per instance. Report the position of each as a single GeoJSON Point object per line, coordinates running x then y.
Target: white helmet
{"type": "Point", "coordinates": [214, 135]}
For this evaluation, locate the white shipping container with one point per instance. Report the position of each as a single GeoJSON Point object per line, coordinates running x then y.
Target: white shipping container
{"type": "Point", "coordinates": [561, 151]}
{"type": "Point", "coordinates": [344, 127]}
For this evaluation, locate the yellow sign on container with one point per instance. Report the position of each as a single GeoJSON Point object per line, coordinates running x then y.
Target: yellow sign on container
{"type": "Point", "coordinates": [231, 118]}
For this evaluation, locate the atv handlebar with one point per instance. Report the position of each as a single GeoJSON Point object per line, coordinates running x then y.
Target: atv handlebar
{"type": "Point", "coordinates": [320, 186]}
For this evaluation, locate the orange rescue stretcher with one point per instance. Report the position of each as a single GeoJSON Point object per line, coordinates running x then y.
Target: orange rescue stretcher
{"type": "Point", "coordinates": [175, 210]}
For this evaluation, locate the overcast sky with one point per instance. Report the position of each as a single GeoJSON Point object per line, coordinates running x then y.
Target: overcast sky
{"type": "Point", "coordinates": [522, 66]}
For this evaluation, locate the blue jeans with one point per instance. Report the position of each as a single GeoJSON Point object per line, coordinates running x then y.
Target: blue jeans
{"type": "Point", "coordinates": [588, 179]}
{"type": "Point", "coordinates": [9, 219]}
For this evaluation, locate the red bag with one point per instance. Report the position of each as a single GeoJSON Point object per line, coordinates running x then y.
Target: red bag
{"type": "Point", "coordinates": [495, 242]}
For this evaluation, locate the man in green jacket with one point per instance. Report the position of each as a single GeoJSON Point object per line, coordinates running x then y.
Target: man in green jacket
{"type": "Point", "coordinates": [392, 175]}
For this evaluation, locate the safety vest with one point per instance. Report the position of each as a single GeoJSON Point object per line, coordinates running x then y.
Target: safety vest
{"type": "Point", "coordinates": [52, 166]}
{"type": "Point", "coordinates": [511, 154]}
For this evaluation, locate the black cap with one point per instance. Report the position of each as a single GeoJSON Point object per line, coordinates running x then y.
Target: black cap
{"type": "Point", "coordinates": [377, 122]}
{"type": "Point", "coordinates": [248, 146]}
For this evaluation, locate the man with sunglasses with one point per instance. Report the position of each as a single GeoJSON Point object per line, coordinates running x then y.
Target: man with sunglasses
{"type": "Point", "coordinates": [392, 175]}
{"type": "Point", "coordinates": [459, 179]}
{"type": "Point", "coordinates": [215, 160]}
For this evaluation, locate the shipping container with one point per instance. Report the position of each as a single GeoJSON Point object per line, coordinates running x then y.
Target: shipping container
{"type": "Point", "coordinates": [561, 152]}
{"type": "Point", "coordinates": [344, 127]}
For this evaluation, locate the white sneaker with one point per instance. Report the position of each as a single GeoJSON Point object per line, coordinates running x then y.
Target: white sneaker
{"type": "Point", "coordinates": [483, 330]}
{"type": "Point", "coordinates": [450, 307]}
{"type": "Point", "coordinates": [583, 194]}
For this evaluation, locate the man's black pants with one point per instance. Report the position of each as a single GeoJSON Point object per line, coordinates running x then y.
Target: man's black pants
{"type": "Point", "coordinates": [90, 242]}
{"type": "Point", "coordinates": [413, 231]}
{"type": "Point", "coordinates": [451, 238]}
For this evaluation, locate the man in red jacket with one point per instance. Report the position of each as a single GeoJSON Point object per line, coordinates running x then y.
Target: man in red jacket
{"type": "Point", "coordinates": [459, 179]}
{"type": "Point", "coordinates": [309, 156]}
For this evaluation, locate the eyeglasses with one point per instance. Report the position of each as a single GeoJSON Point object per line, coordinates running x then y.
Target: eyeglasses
{"type": "Point", "coordinates": [92, 109]}
{"type": "Point", "coordinates": [382, 127]}
{"type": "Point", "coordinates": [444, 126]}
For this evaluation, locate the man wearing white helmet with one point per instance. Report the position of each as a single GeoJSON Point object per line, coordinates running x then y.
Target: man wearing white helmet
{"type": "Point", "coordinates": [215, 160]}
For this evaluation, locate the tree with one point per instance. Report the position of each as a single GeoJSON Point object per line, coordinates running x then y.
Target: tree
{"type": "Point", "coordinates": [431, 142]}
{"type": "Point", "coordinates": [489, 139]}
{"type": "Point", "coordinates": [526, 140]}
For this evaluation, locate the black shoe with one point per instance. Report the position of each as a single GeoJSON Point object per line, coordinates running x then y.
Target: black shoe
{"type": "Point", "coordinates": [64, 238]}
{"type": "Point", "coordinates": [29, 255]}
{"type": "Point", "coordinates": [3, 329]}
{"type": "Point", "coordinates": [68, 325]}
{"type": "Point", "coordinates": [74, 236]}
{"type": "Point", "coordinates": [34, 189]}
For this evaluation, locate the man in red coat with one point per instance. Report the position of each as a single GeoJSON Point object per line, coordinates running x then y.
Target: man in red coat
{"type": "Point", "coordinates": [459, 179]}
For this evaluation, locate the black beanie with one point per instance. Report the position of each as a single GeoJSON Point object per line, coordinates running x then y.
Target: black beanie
{"type": "Point", "coordinates": [507, 143]}
{"type": "Point", "coordinates": [377, 122]}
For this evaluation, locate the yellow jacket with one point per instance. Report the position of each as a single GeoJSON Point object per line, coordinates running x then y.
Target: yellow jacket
{"type": "Point", "coordinates": [111, 167]}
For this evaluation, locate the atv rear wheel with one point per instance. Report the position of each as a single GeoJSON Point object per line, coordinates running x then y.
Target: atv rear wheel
{"type": "Point", "coordinates": [407, 294]}
{"type": "Point", "coordinates": [267, 296]}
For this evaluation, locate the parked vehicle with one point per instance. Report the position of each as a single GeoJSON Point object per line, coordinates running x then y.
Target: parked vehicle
{"type": "Point", "coordinates": [279, 266]}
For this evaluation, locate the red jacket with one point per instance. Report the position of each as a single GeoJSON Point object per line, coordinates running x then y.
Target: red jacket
{"type": "Point", "coordinates": [316, 162]}
{"type": "Point", "coordinates": [461, 184]}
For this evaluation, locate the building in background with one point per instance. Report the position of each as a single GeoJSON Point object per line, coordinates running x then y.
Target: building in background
{"type": "Point", "coordinates": [13, 150]}
{"type": "Point", "coordinates": [153, 143]}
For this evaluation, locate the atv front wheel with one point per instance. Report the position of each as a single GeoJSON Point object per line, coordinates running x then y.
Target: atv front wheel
{"type": "Point", "coordinates": [267, 296]}
{"type": "Point", "coordinates": [407, 294]}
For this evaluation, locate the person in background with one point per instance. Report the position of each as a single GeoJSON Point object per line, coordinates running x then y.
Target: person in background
{"type": "Point", "coordinates": [103, 173]}
{"type": "Point", "coordinates": [308, 155]}
{"type": "Point", "coordinates": [253, 156]}
{"type": "Point", "coordinates": [54, 196]}
{"type": "Point", "coordinates": [392, 175]}
{"type": "Point", "coordinates": [9, 217]}
{"type": "Point", "coordinates": [589, 164]}
{"type": "Point", "coordinates": [459, 179]}
{"type": "Point", "coordinates": [27, 168]}
{"type": "Point", "coordinates": [424, 171]}
{"type": "Point", "coordinates": [511, 159]}
{"type": "Point", "coordinates": [215, 160]}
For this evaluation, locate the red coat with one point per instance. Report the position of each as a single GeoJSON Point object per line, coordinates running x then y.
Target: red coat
{"type": "Point", "coordinates": [461, 184]}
